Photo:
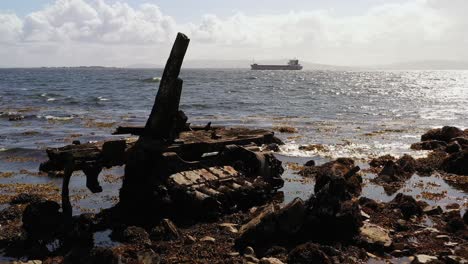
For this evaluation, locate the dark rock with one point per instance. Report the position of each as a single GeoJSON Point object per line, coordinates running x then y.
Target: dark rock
{"type": "Point", "coordinates": [277, 251]}
{"type": "Point", "coordinates": [15, 117]}
{"type": "Point", "coordinates": [454, 221]}
{"type": "Point", "coordinates": [26, 198]}
{"type": "Point", "coordinates": [272, 147]}
{"type": "Point", "coordinates": [341, 168]}
{"type": "Point", "coordinates": [42, 220]}
{"type": "Point", "coordinates": [456, 163]}
{"type": "Point", "coordinates": [273, 226]}
{"type": "Point", "coordinates": [369, 203]}
{"type": "Point", "coordinates": [432, 210]}
{"type": "Point", "coordinates": [429, 145]}
{"type": "Point", "coordinates": [433, 161]}
{"type": "Point", "coordinates": [308, 253]}
{"type": "Point", "coordinates": [453, 147]}
{"type": "Point", "coordinates": [444, 134]}
{"type": "Point", "coordinates": [310, 163]}
{"type": "Point", "coordinates": [407, 205]}
{"type": "Point", "coordinates": [133, 235]}
{"type": "Point", "coordinates": [103, 255]}
{"type": "Point", "coordinates": [465, 217]}
{"type": "Point", "coordinates": [11, 213]}
{"type": "Point", "coordinates": [381, 161]}
{"type": "Point", "coordinates": [462, 141]}
{"type": "Point", "coordinates": [166, 230]}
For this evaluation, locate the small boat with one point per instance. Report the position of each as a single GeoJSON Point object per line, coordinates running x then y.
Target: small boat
{"type": "Point", "coordinates": [293, 65]}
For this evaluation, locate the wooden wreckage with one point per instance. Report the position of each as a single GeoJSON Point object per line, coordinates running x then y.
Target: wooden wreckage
{"type": "Point", "coordinates": [173, 169]}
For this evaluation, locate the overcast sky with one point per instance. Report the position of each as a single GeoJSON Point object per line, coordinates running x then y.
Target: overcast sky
{"type": "Point", "coordinates": [124, 32]}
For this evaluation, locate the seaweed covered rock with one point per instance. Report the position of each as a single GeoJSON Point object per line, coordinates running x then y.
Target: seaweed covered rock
{"type": "Point", "coordinates": [42, 220]}
{"type": "Point", "coordinates": [431, 163]}
{"type": "Point", "coordinates": [445, 133]}
{"type": "Point", "coordinates": [340, 168]}
{"type": "Point", "coordinates": [26, 198]}
{"type": "Point", "coordinates": [273, 225]}
{"type": "Point", "coordinates": [456, 163]}
{"type": "Point", "coordinates": [381, 161]}
{"type": "Point", "coordinates": [395, 173]}
{"type": "Point", "coordinates": [429, 145]}
{"type": "Point", "coordinates": [407, 205]}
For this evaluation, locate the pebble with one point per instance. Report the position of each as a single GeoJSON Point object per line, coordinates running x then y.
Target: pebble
{"type": "Point", "coordinates": [190, 239]}
{"type": "Point", "coordinates": [270, 261]}
{"type": "Point", "coordinates": [249, 251]}
{"type": "Point", "coordinates": [207, 239]}
{"type": "Point", "coordinates": [230, 227]}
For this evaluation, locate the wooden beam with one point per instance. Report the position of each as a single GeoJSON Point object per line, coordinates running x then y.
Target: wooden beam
{"type": "Point", "coordinates": [160, 124]}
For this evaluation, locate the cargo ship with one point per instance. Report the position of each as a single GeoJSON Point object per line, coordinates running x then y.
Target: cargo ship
{"type": "Point", "coordinates": [293, 65]}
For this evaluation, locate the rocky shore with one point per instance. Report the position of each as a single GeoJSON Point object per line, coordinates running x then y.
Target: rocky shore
{"type": "Point", "coordinates": [334, 225]}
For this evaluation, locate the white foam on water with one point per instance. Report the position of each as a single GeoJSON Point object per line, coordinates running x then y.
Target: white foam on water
{"type": "Point", "coordinates": [102, 98]}
{"type": "Point", "coordinates": [61, 118]}
{"type": "Point", "coordinates": [352, 150]}
{"type": "Point", "coordinates": [51, 99]}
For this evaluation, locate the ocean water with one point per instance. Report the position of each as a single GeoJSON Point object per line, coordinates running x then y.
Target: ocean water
{"type": "Point", "coordinates": [352, 114]}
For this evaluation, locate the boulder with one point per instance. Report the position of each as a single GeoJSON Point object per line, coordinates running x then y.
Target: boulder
{"type": "Point", "coordinates": [453, 147]}
{"type": "Point", "coordinates": [381, 161]}
{"type": "Point", "coordinates": [375, 236]}
{"type": "Point", "coordinates": [166, 230]}
{"type": "Point", "coordinates": [273, 225]}
{"type": "Point", "coordinates": [133, 235]}
{"type": "Point", "coordinates": [42, 220]}
{"type": "Point", "coordinates": [456, 163]}
{"type": "Point", "coordinates": [429, 145]}
{"type": "Point", "coordinates": [445, 133]}
{"type": "Point", "coordinates": [407, 204]}
{"type": "Point", "coordinates": [308, 253]}
{"type": "Point", "coordinates": [454, 221]}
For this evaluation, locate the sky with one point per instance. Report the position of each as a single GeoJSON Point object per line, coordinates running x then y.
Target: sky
{"type": "Point", "coordinates": [336, 32]}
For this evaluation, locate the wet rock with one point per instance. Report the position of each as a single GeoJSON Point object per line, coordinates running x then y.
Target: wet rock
{"type": "Point", "coordinates": [369, 203]}
{"type": "Point", "coordinates": [433, 161]}
{"type": "Point", "coordinates": [381, 161]}
{"type": "Point", "coordinates": [432, 210]}
{"type": "Point", "coordinates": [429, 145]}
{"type": "Point", "coordinates": [134, 235]}
{"type": "Point", "coordinates": [407, 205]}
{"type": "Point", "coordinates": [453, 147]}
{"type": "Point", "coordinates": [270, 261]}
{"type": "Point", "coordinates": [42, 220]}
{"type": "Point", "coordinates": [465, 217]}
{"type": "Point", "coordinates": [310, 163]}
{"type": "Point", "coordinates": [273, 225]}
{"type": "Point", "coordinates": [375, 236]}
{"type": "Point", "coordinates": [166, 230]}
{"type": "Point", "coordinates": [308, 253]}
{"type": "Point", "coordinates": [11, 213]}
{"type": "Point", "coordinates": [15, 117]}
{"type": "Point", "coordinates": [277, 252]}
{"type": "Point", "coordinates": [456, 163]}
{"type": "Point", "coordinates": [332, 208]}
{"type": "Point", "coordinates": [424, 259]}
{"type": "Point", "coordinates": [454, 221]}
{"type": "Point", "coordinates": [462, 141]}
{"type": "Point", "coordinates": [452, 206]}
{"type": "Point", "coordinates": [445, 133]}
{"type": "Point", "coordinates": [272, 147]}
{"type": "Point", "coordinates": [26, 198]}
{"type": "Point", "coordinates": [147, 256]}
{"type": "Point", "coordinates": [340, 168]}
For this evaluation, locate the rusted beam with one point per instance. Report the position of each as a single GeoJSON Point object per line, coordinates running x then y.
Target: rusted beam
{"type": "Point", "coordinates": [160, 124]}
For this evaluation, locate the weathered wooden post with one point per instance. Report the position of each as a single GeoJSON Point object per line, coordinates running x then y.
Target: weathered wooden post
{"type": "Point", "coordinates": [161, 122]}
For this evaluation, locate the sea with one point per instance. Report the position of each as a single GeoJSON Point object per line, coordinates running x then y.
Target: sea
{"type": "Point", "coordinates": [356, 114]}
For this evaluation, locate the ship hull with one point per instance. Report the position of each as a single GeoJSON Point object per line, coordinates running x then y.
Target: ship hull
{"type": "Point", "coordinates": [276, 67]}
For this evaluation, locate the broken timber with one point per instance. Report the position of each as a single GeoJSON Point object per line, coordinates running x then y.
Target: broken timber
{"type": "Point", "coordinates": [174, 169]}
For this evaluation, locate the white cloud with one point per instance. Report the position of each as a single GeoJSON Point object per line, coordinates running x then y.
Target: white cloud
{"type": "Point", "coordinates": [413, 30]}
